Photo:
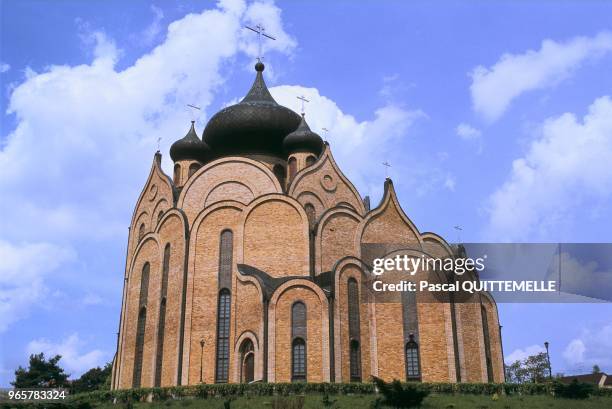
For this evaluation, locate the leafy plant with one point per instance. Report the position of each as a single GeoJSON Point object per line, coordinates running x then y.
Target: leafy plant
{"type": "Point", "coordinates": [573, 390]}
{"type": "Point", "coordinates": [41, 373]}
{"type": "Point", "coordinates": [327, 401]}
{"type": "Point", "coordinates": [398, 395]}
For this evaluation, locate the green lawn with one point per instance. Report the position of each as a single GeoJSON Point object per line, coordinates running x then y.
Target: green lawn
{"type": "Point", "coordinates": [365, 401]}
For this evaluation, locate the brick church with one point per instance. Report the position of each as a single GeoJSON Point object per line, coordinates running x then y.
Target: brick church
{"type": "Point", "coordinates": [252, 263]}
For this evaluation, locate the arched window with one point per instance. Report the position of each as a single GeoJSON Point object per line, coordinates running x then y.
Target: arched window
{"type": "Point", "coordinates": [141, 231]}
{"type": "Point", "coordinates": [279, 172]}
{"type": "Point", "coordinates": [487, 343]}
{"type": "Point", "coordinates": [177, 174]}
{"type": "Point", "coordinates": [223, 307]}
{"type": "Point", "coordinates": [354, 329]}
{"type": "Point", "coordinates": [292, 167]}
{"type": "Point", "coordinates": [298, 341]}
{"type": "Point", "coordinates": [413, 371]}
{"type": "Point", "coordinates": [298, 360]}
{"type": "Point", "coordinates": [247, 361]}
{"type": "Point", "coordinates": [310, 160]}
{"type": "Point", "coordinates": [141, 325]}
{"type": "Point", "coordinates": [193, 168]}
{"type": "Point", "coordinates": [411, 333]}
{"type": "Point", "coordinates": [159, 356]}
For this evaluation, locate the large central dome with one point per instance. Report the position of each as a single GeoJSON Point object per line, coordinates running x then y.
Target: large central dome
{"type": "Point", "coordinates": [255, 125]}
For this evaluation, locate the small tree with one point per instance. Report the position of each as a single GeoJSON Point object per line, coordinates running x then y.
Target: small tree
{"type": "Point", "coordinates": [596, 369]}
{"type": "Point", "coordinates": [399, 396]}
{"type": "Point", "coordinates": [41, 373]}
{"type": "Point", "coordinates": [93, 379]}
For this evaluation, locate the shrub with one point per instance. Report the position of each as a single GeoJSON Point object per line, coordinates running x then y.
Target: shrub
{"type": "Point", "coordinates": [398, 395]}
{"type": "Point", "coordinates": [575, 390]}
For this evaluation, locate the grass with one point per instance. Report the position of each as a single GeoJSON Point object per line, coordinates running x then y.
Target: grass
{"type": "Point", "coordinates": [364, 402]}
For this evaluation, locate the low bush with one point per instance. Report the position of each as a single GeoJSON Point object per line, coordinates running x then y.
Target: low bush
{"type": "Point", "coordinates": [573, 390]}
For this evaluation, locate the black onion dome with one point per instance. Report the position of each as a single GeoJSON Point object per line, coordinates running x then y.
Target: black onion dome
{"type": "Point", "coordinates": [190, 147]}
{"type": "Point", "coordinates": [303, 140]}
{"type": "Point", "coordinates": [257, 124]}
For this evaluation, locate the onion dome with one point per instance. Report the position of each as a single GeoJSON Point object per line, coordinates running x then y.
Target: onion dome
{"type": "Point", "coordinates": [303, 140]}
{"type": "Point", "coordinates": [190, 147]}
{"type": "Point", "coordinates": [257, 124]}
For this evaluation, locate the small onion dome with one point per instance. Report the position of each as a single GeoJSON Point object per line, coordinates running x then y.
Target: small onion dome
{"type": "Point", "coordinates": [257, 124]}
{"type": "Point", "coordinates": [303, 140]}
{"type": "Point", "coordinates": [190, 147]}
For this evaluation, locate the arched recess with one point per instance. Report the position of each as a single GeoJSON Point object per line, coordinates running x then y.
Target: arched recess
{"type": "Point", "coordinates": [269, 223]}
{"type": "Point", "coordinates": [326, 179]}
{"type": "Point", "coordinates": [231, 189]}
{"type": "Point", "coordinates": [202, 281]}
{"type": "Point", "coordinates": [346, 269]}
{"type": "Point", "coordinates": [433, 322]}
{"type": "Point", "coordinates": [489, 306]}
{"type": "Point", "coordinates": [240, 355]}
{"type": "Point", "coordinates": [280, 340]}
{"type": "Point", "coordinates": [257, 177]}
{"type": "Point", "coordinates": [147, 253]}
{"type": "Point", "coordinates": [335, 237]}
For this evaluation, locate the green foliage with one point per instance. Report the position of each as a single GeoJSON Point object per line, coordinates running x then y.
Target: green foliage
{"type": "Point", "coordinates": [41, 373]}
{"type": "Point", "coordinates": [327, 401]}
{"type": "Point", "coordinates": [94, 379]}
{"type": "Point", "coordinates": [534, 369]}
{"type": "Point", "coordinates": [596, 369]}
{"type": "Point", "coordinates": [398, 395]}
{"type": "Point", "coordinates": [573, 390]}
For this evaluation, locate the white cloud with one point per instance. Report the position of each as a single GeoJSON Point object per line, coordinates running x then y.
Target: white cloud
{"type": "Point", "coordinates": [358, 146]}
{"type": "Point", "coordinates": [592, 347]}
{"type": "Point", "coordinates": [520, 354]}
{"type": "Point", "coordinates": [4, 67]}
{"type": "Point", "coordinates": [85, 137]}
{"type": "Point", "coordinates": [566, 166]}
{"type": "Point", "coordinates": [150, 33]}
{"type": "Point", "coordinates": [494, 88]}
{"type": "Point", "coordinates": [22, 273]}
{"type": "Point", "coordinates": [92, 299]}
{"type": "Point", "coordinates": [74, 360]}
{"type": "Point", "coordinates": [467, 132]}
{"type": "Point", "coordinates": [574, 352]}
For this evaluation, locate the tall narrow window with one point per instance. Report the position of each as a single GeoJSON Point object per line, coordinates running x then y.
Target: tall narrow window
{"type": "Point", "coordinates": [298, 366]}
{"type": "Point", "coordinates": [411, 335]}
{"type": "Point", "coordinates": [177, 174]}
{"type": "Point", "coordinates": [298, 342]}
{"type": "Point", "coordinates": [224, 306]}
{"type": "Point", "coordinates": [279, 172]}
{"type": "Point", "coordinates": [159, 356]}
{"type": "Point", "coordinates": [292, 168]}
{"type": "Point", "coordinates": [141, 326]}
{"type": "Point", "coordinates": [487, 343]}
{"type": "Point", "coordinates": [160, 215]}
{"type": "Point", "coordinates": [354, 331]}
{"type": "Point", "coordinates": [193, 168]}
{"type": "Point", "coordinates": [310, 213]}
{"type": "Point", "coordinates": [310, 160]}
{"type": "Point", "coordinates": [223, 332]}
{"type": "Point", "coordinates": [413, 371]}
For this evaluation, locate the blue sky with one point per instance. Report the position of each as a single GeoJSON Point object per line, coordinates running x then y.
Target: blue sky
{"type": "Point", "coordinates": [496, 117]}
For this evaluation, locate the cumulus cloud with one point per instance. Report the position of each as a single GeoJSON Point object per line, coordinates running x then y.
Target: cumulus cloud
{"type": "Point", "coordinates": [358, 146]}
{"type": "Point", "coordinates": [493, 89]}
{"type": "Point", "coordinates": [591, 348]}
{"type": "Point", "coordinates": [467, 132]}
{"type": "Point", "coordinates": [566, 166]}
{"type": "Point", "coordinates": [74, 359]}
{"type": "Point", "coordinates": [520, 354]}
{"type": "Point", "coordinates": [4, 67]}
{"type": "Point", "coordinates": [22, 273]}
{"type": "Point", "coordinates": [151, 32]}
{"type": "Point", "coordinates": [85, 137]}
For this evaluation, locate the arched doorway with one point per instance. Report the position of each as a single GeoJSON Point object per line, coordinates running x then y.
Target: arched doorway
{"type": "Point", "coordinates": [247, 360]}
